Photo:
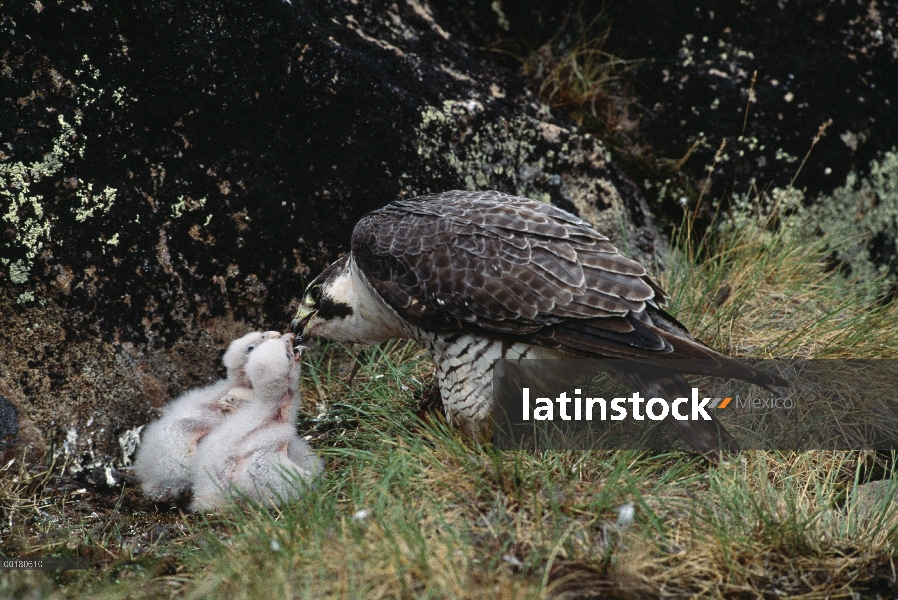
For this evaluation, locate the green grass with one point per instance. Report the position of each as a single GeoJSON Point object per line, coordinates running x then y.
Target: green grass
{"type": "Point", "coordinates": [759, 289]}
{"type": "Point", "coordinates": [447, 518]}
{"type": "Point", "coordinates": [408, 508]}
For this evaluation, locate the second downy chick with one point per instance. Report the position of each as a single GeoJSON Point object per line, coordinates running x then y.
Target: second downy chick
{"type": "Point", "coordinates": [255, 449]}
{"type": "Point", "coordinates": [164, 459]}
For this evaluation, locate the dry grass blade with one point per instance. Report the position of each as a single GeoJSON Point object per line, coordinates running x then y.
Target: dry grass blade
{"type": "Point", "coordinates": [761, 291]}
{"type": "Point", "coordinates": [586, 82]}
{"type": "Point", "coordinates": [22, 490]}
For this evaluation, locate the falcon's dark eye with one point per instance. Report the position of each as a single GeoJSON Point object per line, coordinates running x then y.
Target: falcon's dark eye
{"type": "Point", "coordinates": [250, 348]}
{"type": "Point", "coordinates": [314, 294]}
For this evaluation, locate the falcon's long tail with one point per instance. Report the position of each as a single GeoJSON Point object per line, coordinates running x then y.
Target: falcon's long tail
{"type": "Point", "coordinates": [708, 437]}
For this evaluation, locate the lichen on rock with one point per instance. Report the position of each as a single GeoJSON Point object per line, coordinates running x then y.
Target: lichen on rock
{"type": "Point", "coordinates": [172, 173]}
{"type": "Point", "coordinates": [532, 155]}
{"type": "Point", "coordinates": [24, 207]}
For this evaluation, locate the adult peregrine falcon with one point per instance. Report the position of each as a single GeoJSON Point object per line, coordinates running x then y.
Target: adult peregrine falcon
{"type": "Point", "coordinates": [481, 276]}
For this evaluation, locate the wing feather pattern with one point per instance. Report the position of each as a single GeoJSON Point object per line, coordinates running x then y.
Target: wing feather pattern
{"type": "Point", "coordinates": [503, 266]}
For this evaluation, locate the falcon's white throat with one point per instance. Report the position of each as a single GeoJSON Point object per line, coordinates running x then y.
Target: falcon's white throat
{"type": "Point", "coordinates": [371, 321]}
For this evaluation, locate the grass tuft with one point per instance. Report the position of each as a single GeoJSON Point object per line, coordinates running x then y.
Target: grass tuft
{"type": "Point", "coordinates": [760, 290]}
{"type": "Point", "coordinates": [586, 82]}
{"type": "Point", "coordinates": [408, 508]}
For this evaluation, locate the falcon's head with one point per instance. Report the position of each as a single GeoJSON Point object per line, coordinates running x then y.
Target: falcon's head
{"type": "Point", "coordinates": [327, 303]}
{"type": "Point", "coordinates": [341, 305]}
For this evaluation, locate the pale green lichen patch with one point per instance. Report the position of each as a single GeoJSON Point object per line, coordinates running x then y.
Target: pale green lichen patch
{"type": "Point", "coordinates": [25, 211]}
{"type": "Point", "coordinates": [501, 19]}
{"type": "Point", "coordinates": [185, 204]}
{"type": "Point", "coordinates": [92, 202]}
{"type": "Point", "coordinates": [24, 206]}
{"type": "Point", "coordinates": [483, 155]}
{"type": "Point", "coordinates": [18, 272]}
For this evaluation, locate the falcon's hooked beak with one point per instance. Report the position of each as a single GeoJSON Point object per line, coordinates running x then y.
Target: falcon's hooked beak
{"type": "Point", "coordinates": [308, 308]}
{"type": "Point", "coordinates": [300, 320]}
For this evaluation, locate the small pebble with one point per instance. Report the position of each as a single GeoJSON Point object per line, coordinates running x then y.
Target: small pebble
{"type": "Point", "coordinates": [361, 515]}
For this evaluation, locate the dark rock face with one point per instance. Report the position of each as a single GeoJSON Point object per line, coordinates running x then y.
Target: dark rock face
{"type": "Point", "coordinates": [831, 65]}
{"type": "Point", "coordinates": [171, 173]}
{"type": "Point", "coordinates": [732, 95]}
{"type": "Point", "coordinates": [814, 62]}
{"type": "Point", "coordinates": [9, 424]}
{"type": "Point", "coordinates": [18, 436]}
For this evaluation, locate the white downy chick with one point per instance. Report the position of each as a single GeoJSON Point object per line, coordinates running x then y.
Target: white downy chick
{"type": "Point", "coordinates": [256, 450]}
{"type": "Point", "coordinates": [163, 463]}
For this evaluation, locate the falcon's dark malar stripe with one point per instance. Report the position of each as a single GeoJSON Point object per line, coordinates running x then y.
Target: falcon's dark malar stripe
{"type": "Point", "coordinates": [329, 309]}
